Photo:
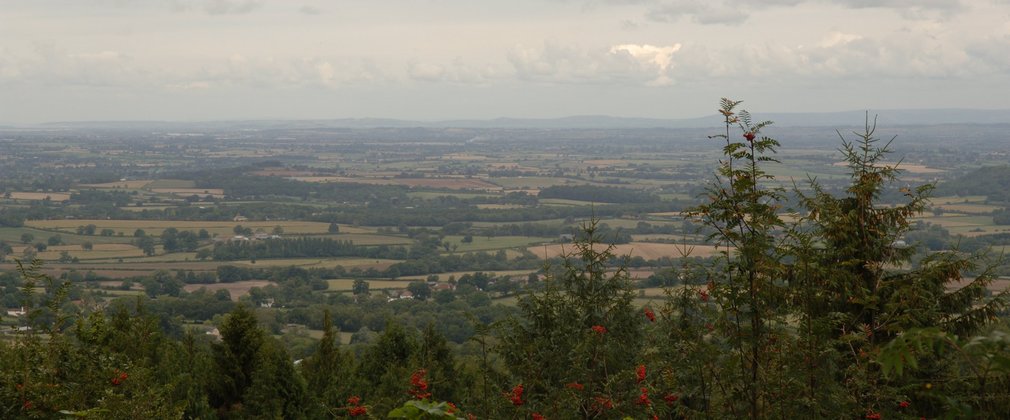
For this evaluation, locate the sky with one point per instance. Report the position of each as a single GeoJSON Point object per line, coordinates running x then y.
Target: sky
{"type": "Point", "coordinates": [199, 60]}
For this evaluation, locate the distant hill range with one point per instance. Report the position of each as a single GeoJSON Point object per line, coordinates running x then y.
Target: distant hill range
{"type": "Point", "coordinates": [889, 118]}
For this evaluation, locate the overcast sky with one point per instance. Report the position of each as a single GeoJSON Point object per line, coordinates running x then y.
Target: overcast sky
{"type": "Point", "coordinates": [443, 59]}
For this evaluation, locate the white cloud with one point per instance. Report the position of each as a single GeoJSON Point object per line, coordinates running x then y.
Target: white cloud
{"type": "Point", "coordinates": [838, 38]}
{"type": "Point", "coordinates": [635, 64]}
{"type": "Point", "coordinates": [660, 57]}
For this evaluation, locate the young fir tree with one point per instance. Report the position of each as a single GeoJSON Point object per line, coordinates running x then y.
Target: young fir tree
{"type": "Point", "coordinates": [235, 361]}
{"type": "Point", "coordinates": [861, 290]}
{"type": "Point", "coordinates": [327, 371]}
{"type": "Point", "coordinates": [575, 349]}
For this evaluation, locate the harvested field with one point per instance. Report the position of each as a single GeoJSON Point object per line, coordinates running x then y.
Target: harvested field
{"type": "Point", "coordinates": [373, 284]}
{"type": "Point", "coordinates": [215, 192]}
{"type": "Point", "coordinates": [236, 289]}
{"type": "Point", "coordinates": [448, 183]}
{"type": "Point", "coordinates": [996, 286]}
{"type": "Point", "coordinates": [606, 162]}
{"type": "Point", "coordinates": [39, 196]}
{"type": "Point", "coordinates": [155, 227]}
{"type": "Point", "coordinates": [907, 167]}
{"type": "Point", "coordinates": [649, 251]}
{"type": "Point", "coordinates": [457, 274]}
{"type": "Point", "coordinates": [121, 185]}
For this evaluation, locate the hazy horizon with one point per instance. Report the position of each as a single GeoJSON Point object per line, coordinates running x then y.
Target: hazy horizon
{"type": "Point", "coordinates": [187, 60]}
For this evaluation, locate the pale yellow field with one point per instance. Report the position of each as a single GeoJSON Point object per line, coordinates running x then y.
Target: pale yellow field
{"type": "Point", "coordinates": [907, 167]}
{"type": "Point", "coordinates": [373, 284]}
{"type": "Point", "coordinates": [449, 183]}
{"type": "Point", "coordinates": [458, 274]}
{"type": "Point", "coordinates": [217, 192]}
{"type": "Point", "coordinates": [498, 206]}
{"type": "Point", "coordinates": [645, 250]}
{"type": "Point", "coordinates": [957, 200]}
{"type": "Point", "coordinates": [123, 185]}
{"type": "Point", "coordinates": [464, 156]}
{"type": "Point", "coordinates": [154, 227]}
{"type": "Point", "coordinates": [53, 196]}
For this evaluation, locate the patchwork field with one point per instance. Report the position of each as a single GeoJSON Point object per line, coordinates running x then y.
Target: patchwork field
{"type": "Point", "coordinates": [236, 289]}
{"type": "Point", "coordinates": [645, 250]}
{"type": "Point", "coordinates": [447, 183]}
{"type": "Point", "coordinates": [121, 185]}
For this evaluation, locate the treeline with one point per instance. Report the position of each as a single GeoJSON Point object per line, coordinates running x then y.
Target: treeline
{"type": "Point", "coordinates": [441, 216]}
{"type": "Point", "coordinates": [305, 247]}
{"type": "Point", "coordinates": [15, 216]}
{"type": "Point", "coordinates": [990, 181]}
{"type": "Point", "coordinates": [598, 194]}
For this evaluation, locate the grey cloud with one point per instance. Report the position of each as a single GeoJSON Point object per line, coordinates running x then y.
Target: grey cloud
{"type": "Point", "coordinates": [455, 72]}
{"type": "Point", "coordinates": [734, 12]}
{"type": "Point", "coordinates": [993, 53]}
{"type": "Point", "coordinates": [309, 10]}
{"type": "Point", "coordinates": [702, 12]}
{"type": "Point", "coordinates": [216, 7]}
{"type": "Point", "coordinates": [47, 65]}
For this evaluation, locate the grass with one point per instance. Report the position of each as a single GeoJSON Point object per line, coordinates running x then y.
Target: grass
{"type": "Point", "coordinates": [171, 183]}
{"type": "Point", "coordinates": [565, 202]}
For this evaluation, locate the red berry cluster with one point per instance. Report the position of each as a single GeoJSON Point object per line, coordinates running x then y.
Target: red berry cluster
{"type": "Point", "coordinates": [599, 329]}
{"type": "Point", "coordinates": [643, 398]}
{"type": "Point", "coordinates": [118, 377]}
{"type": "Point", "coordinates": [355, 408]}
{"type": "Point", "coordinates": [419, 385]}
{"type": "Point", "coordinates": [516, 396]}
{"type": "Point", "coordinates": [650, 315]}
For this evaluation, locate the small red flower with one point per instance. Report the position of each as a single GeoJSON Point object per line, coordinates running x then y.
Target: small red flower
{"type": "Point", "coordinates": [354, 400]}
{"type": "Point", "coordinates": [749, 135]}
{"type": "Point", "coordinates": [650, 315]}
{"type": "Point", "coordinates": [671, 398]}
{"type": "Point", "coordinates": [357, 411]}
{"type": "Point", "coordinates": [575, 385]}
{"type": "Point", "coordinates": [517, 395]}
{"type": "Point", "coordinates": [599, 329]}
{"type": "Point", "coordinates": [643, 399]}
{"type": "Point", "coordinates": [538, 416]}
{"type": "Point", "coordinates": [904, 404]}
{"type": "Point", "coordinates": [640, 373]}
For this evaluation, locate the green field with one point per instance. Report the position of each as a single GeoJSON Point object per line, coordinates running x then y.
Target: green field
{"type": "Point", "coordinates": [483, 243]}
